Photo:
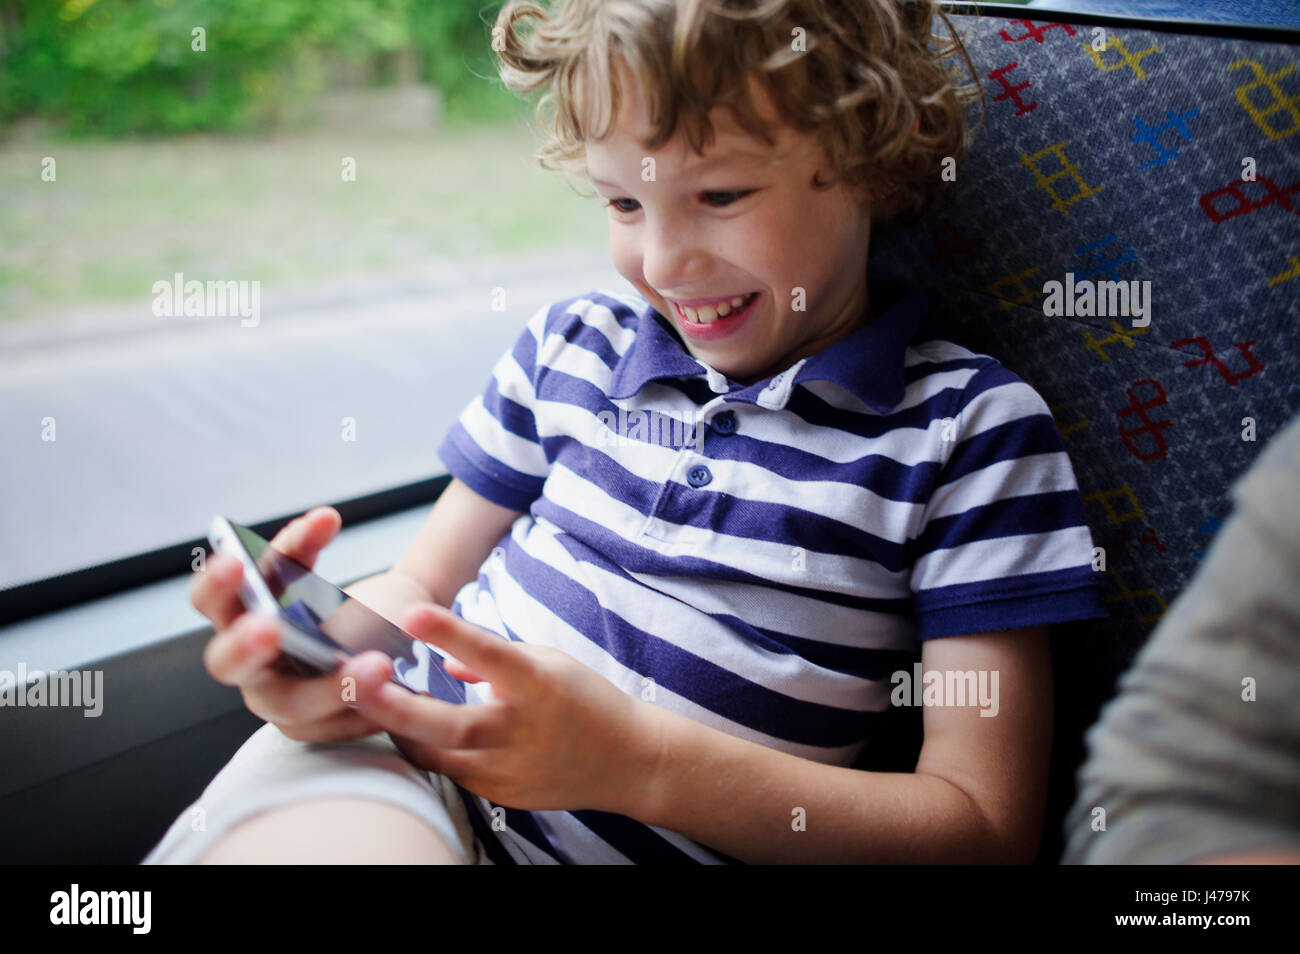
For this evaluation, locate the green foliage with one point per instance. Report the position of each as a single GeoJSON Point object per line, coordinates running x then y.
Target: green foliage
{"type": "Point", "coordinates": [455, 40]}
{"type": "Point", "coordinates": [112, 67]}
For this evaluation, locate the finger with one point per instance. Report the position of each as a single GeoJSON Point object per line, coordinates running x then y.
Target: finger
{"type": "Point", "coordinates": [215, 590]}
{"type": "Point", "coordinates": [235, 655]}
{"type": "Point", "coordinates": [486, 653]}
{"type": "Point", "coordinates": [298, 700]}
{"type": "Point", "coordinates": [343, 727]}
{"type": "Point", "coordinates": [423, 718]}
{"type": "Point", "coordinates": [304, 537]}
{"type": "Point", "coordinates": [301, 540]}
{"type": "Point", "coordinates": [458, 669]}
{"type": "Point", "coordinates": [454, 763]}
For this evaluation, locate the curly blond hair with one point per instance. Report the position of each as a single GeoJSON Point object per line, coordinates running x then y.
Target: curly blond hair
{"type": "Point", "coordinates": [865, 77]}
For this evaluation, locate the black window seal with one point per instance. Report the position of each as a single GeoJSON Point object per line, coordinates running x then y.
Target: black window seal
{"type": "Point", "coordinates": [64, 590]}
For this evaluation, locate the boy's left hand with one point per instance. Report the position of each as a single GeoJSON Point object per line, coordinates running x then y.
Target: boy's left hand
{"type": "Point", "coordinates": [555, 734]}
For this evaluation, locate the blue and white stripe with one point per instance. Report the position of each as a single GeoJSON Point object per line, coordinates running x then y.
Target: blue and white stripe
{"type": "Point", "coordinates": [769, 579]}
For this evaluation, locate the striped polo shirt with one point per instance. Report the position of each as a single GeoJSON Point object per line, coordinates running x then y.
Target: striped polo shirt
{"type": "Point", "coordinates": [759, 558]}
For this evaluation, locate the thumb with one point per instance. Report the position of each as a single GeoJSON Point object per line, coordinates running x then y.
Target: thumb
{"type": "Point", "coordinates": [304, 537]}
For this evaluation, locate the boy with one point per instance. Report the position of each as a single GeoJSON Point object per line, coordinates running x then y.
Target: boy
{"type": "Point", "coordinates": [702, 630]}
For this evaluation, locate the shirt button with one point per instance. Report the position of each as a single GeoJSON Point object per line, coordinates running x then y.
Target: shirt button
{"type": "Point", "coordinates": [698, 475]}
{"type": "Point", "coordinates": [725, 423]}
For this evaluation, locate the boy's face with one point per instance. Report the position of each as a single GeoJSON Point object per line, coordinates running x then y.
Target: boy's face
{"type": "Point", "coordinates": [742, 218]}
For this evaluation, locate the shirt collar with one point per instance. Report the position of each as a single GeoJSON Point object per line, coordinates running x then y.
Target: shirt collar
{"type": "Point", "coordinates": [868, 363]}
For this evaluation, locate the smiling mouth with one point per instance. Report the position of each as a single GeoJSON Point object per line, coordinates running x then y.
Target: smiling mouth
{"type": "Point", "coordinates": [707, 315]}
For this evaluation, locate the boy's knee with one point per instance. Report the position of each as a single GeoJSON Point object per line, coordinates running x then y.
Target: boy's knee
{"type": "Point", "coordinates": [332, 831]}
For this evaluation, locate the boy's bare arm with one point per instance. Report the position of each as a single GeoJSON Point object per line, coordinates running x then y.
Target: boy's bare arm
{"type": "Point", "coordinates": [977, 795]}
{"type": "Point", "coordinates": [457, 536]}
{"type": "Point", "coordinates": [459, 533]}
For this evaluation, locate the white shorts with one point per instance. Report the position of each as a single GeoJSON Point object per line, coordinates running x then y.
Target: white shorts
{"type": "Point", "coordinates": [271, 770]}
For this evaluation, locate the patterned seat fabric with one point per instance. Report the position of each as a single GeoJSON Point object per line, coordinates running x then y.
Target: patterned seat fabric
{"type": "Point", "coordinates": [1127, 155]}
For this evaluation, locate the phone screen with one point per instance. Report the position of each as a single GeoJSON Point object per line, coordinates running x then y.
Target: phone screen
{"type": "Point", "coordinates": [322, 611]}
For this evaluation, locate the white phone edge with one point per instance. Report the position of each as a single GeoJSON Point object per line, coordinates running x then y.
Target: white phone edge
{"type": "Point", "coordinates": [257, 598]}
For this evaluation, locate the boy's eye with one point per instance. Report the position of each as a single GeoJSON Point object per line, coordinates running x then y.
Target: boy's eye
{"type": "Point", "coordinates": [738, 195]}
{"type": "Point", "coordinates": [728, 198]}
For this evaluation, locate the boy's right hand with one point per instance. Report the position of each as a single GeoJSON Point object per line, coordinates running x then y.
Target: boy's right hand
{"type": "Point", "coordinates": [245, 650]}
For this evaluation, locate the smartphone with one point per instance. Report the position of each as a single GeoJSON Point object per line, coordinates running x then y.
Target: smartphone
{"type": "Point", "coordinates": [321, 626]}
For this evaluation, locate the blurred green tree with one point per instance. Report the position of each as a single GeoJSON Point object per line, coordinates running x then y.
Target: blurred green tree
{"type": "Point", "coordinates": [112, 67]}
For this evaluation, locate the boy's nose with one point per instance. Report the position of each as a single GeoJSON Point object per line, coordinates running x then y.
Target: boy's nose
{"type": "Point", "coordinates": [672, 259]}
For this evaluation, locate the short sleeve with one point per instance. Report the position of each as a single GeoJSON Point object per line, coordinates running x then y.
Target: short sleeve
{"type": "Point", "coordinates": [493, 447]}
{"type": "Point", "coordinates": [1003, 542]}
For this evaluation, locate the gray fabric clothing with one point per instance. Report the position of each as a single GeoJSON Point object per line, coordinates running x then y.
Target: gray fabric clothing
{"type": "Point", "coordinates": [1182, 765]}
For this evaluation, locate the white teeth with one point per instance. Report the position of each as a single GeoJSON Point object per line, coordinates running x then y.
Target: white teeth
{"type": "Point", "coordinates": [709, 313]}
